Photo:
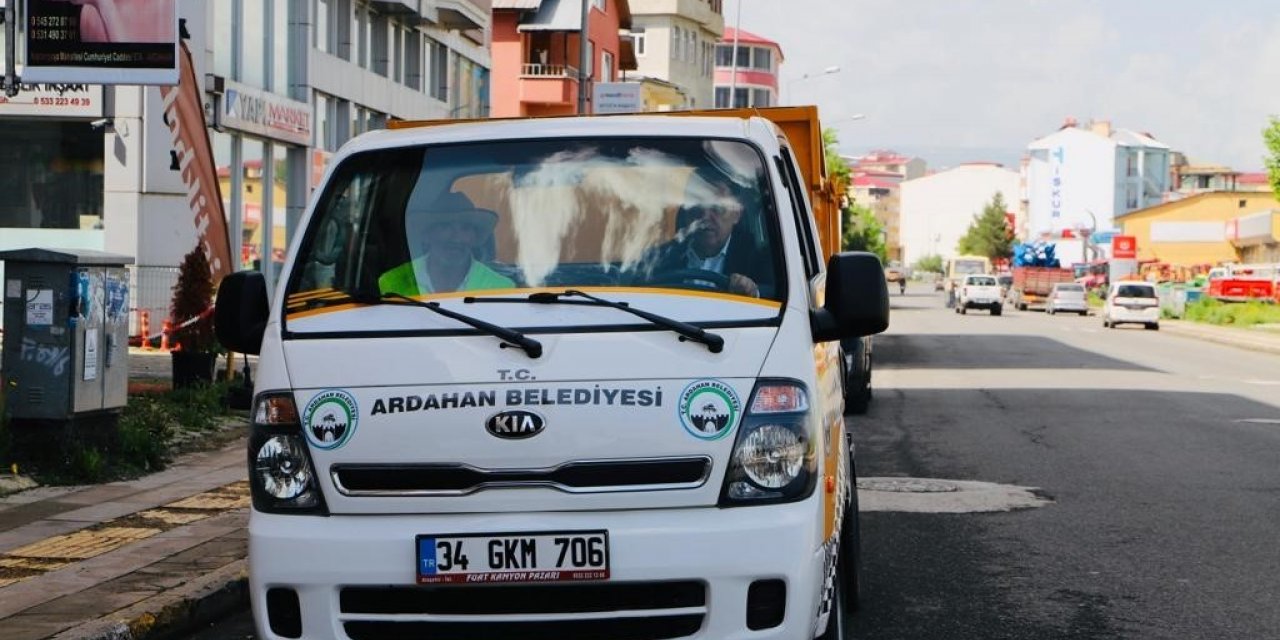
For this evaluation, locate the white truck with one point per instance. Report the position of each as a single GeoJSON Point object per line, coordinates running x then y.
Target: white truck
{"type": "Point", "coordinates": [593, 428]}
{"type": "Point", "coordinates": [979, 291]}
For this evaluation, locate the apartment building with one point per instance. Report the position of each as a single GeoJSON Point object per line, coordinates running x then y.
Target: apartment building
{"type": "Point", "coordinates": [675, 49]}
{"type": "Point", "coordinates": [751, 81]}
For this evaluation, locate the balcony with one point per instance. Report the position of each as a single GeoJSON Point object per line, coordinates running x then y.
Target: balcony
{"type": "Point", "coordinates": [548, 84]}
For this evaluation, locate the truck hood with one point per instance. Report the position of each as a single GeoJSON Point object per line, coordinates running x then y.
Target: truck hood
{"type": "Point", "coordinates": [455, 424]}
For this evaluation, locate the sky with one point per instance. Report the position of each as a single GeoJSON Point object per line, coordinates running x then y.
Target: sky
{"type": "Point", "coordinates": [955, 81]}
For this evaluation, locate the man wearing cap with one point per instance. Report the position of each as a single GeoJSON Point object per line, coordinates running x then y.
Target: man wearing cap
{"type": "Point", "coordinates": [454, 227]}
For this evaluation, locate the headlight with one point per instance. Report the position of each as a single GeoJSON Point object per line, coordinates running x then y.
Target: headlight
{"type": "Point", "coordinates": [773, 459]}
{"type": "Point", "coordinates": [282, 468]}
{"type": "Point", "coordinates": [772, 456]}
{"type": "Point", "coordinates": [282, 478]}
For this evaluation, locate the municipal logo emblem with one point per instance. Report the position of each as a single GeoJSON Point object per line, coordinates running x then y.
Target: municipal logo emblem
{"type": "Point", "coordinates": [709, 409]}
{"type": "Point", "coordinates": [330, 419]}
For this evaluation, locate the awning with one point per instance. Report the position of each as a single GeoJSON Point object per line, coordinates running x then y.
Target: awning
{"type": "Point", "coordinates": [554, 15]}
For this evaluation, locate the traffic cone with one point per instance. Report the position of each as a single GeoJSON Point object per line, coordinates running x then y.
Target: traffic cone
{"type": "Point", "coordinates": [146, 330]}
{"type": "Point", "coordinates": [164, 336]}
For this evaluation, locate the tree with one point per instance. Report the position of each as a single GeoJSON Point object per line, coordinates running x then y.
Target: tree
{"type": "Point", "coordinates": [860, 230]}
{"type": "Point", "coordinates": [931, 263]}
{"type": "Point", "coordinates": [1271, 135]}
{"type": "Point", "coordinates": [989, 234]}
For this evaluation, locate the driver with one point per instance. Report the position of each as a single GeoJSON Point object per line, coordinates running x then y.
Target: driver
{"type": "Point", "coordinates": [707, 240]}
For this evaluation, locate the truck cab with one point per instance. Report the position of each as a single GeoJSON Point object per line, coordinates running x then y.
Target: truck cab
{"type": "Point", "coordinates": [562, 377]}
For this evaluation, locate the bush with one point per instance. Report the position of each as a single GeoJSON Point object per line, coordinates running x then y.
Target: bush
{"type": "Point", "coordinates": [1239, 314]}
{"type": "Point", "coordinates": [146, 430]}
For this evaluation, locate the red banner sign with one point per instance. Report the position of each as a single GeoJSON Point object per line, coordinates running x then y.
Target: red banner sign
{"type": "Point", "coordinates": [185, 114]}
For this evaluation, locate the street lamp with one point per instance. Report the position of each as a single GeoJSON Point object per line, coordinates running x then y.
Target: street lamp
{"type": "Point", "coordinates": [856, 116]}
{"type": "Point", "coordinates": [825, 72]}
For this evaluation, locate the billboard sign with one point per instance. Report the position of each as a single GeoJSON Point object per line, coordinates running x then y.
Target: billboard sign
{"type": "Point", "coordinates": [1124, 247]}
{"type": "Point", "coordinates": [259, 112]}
{"type": "Point", "coordinates": [616, 97]}
{"type": "Point", "coordinates": [69, 100]}
{"type": "Point", "coordinates": [101, 41]}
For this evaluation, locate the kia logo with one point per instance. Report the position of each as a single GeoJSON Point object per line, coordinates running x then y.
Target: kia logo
{"type": "Point", "coordinates": [515, 425]}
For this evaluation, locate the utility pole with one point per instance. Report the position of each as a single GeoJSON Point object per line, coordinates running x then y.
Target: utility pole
{"type": "Point", "coordinates": [733, 65]}
{"type": "Point", "coordinates": [10, 48]}
{"type": "Point", "coordinates": [584, 58]}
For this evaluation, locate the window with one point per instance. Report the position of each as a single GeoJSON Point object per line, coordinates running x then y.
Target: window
{"type": "Point", "coordinates": [360, 36]}
{"type": "Point", "coordinates": [677, 43]}
{"type": "Point", "coordinates": [378, 47]}
{"type": "Point", "coordinates": [1132, 162]}
{"type": "Point", "coordinates": [1130, 197]}
{"type": "Point", "coordinates": [438, 70]}
{"type": "Point", "coordinates": [413, 60]}
{"type": "Point", "coordinates": [397, 53]}
{"type": "Point", "coordinates": [744, 56]}
{"type": "Point", "coordinates": [253, 45]}
{"type": "Point", "coordinates": [763, 59]}
{"type": "Point", "coordinates": [606, 66]}
{"type": "Point", "coordinates": [637, 40]}
{"type": "Point", "coordinates": [321, 33]}
{"type": "Point", "coordinates": [340, 22]}
{"type": "Point", "coordinates": [760, 98]}
{"type": "Point", "coordinates": [51, 175]}
{"type": "Point", "coordinates": [280, 47]}
{"type": "Point", "coordinates": [222, 38]}
{"type": "Point", "coordinates": [722, 97]}
{"type": "Point", "coordinates": [590, 71]}
{"type": "Point", "coordinates": [740, 97]}
{"type": "Point", "coordinates": [724, 55]}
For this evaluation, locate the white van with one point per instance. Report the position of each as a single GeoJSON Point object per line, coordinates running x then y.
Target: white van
{"type": "Point", "coordinates": [507, 389]}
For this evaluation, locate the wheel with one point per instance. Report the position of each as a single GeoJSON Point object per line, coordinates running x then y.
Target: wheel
{"type": "Point", "coordinates": [1049, 311]}
{"type": "Point", "coordinates": [964, 311]}
{"type": "Point", "coordinates": [857, 381]}
{"type": "Point", "coordinates": [1153, 326]}
{"type": "Point", "coordinates": [696, 278]}
{"type": "Point", "coordinates": [997, 310]}
{"type": "Point", "coordinates": [1084, 313]}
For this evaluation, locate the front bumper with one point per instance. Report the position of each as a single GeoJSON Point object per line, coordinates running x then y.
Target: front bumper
{"type": "Point", "coordinates": [1069, 305]}
{"type": "Point", "coordinates": [724, 549]}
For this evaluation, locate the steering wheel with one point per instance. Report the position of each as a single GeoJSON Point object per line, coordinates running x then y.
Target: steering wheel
{"type": "Point", "coordinates": [696, 278]}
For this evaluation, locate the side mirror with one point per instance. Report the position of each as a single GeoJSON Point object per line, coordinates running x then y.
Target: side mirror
{"type": "Point", "coordinates": [241, 311]}
{"type": "Point", "coordinates": [857, 298]}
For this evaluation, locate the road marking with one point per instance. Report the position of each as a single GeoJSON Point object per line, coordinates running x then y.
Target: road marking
{"type": "Point", "coordinates": [1262, 382]}
{"type": "Point", "coordinates": [932, 495]}
{"type": "Point", "coordinates": [1259, 420]}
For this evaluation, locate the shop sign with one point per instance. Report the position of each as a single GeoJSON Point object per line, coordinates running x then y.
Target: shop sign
{"type": "Point", "coordinates": [266, 114]}
{"type": "Point", "coordinates": [62, 100]}
{"type": "Point", "coordinates": [616, 97]}
{"type": "Point", "coordinates": [1125, 247]}
{"type": "Point", "coordinates": [99, 42]}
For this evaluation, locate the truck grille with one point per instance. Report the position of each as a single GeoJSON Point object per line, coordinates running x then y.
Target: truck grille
{"type": "Point", "coordinates": [600, 611]}
{"type": "Point", "coordinates": [589, 476]}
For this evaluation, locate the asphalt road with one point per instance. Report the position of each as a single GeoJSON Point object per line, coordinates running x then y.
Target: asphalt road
{"type": "Point", "coordinates": [1161, 455]}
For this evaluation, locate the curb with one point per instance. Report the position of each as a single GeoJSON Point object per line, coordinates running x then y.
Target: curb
{"type": "Point", "coordinates": [175, 612]}
{"type": "Point", "coordinates": [1229, 339]}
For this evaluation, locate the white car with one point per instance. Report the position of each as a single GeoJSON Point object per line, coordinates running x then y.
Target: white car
{"type": "Point", "coordinates": [1069, 297]}
{"type": "Point", "coordinates": [1131, 302]}
{"type": "Point", "coordinates": [980, 292]}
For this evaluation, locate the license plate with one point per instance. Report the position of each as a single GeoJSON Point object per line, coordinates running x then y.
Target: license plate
{"type": "Point", "coordinates": [513, 557]}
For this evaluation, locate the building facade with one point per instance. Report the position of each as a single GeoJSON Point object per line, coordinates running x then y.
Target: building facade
{"type": "Point", "coordinates": [538, 54]}
{"type": "Point", "coordinates": [875, 184]}
{"type": "Point", "coordinates": [675, 42]}
{"type": "Point", "coordinates": [1207, 229]}
{"type": "Point", "coordinates": [285, 84]}
{"type": "Point", "coordinates": [1084, 176]}
{"type": "Point", "coordinates": [758, 63]}
{"type": "Point", "coordinates": [937, 209]}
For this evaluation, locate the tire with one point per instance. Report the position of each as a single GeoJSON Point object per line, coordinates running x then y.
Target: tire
{"type": "Point", "coordinates": [1084, 313]}
{"type": "Point", "coordinates": [857, 398]}
{"type": "Point", "coordinates": [964, 311]}
{"type": "Point", "coordinates": [997, 310]}
{"type": "Point", "coordinates": [1049, 311]}
{"type": "Point", "coordinates": [1153, 326]}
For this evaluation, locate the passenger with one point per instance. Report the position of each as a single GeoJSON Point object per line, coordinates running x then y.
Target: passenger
{"type": "Point", "coordinates": [454, 228]}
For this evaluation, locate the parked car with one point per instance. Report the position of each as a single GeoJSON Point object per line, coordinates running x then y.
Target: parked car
{"type": "Point", "coordinates": [1068, 297]}
{"type": "Point", "coordinates": [1131, 302]}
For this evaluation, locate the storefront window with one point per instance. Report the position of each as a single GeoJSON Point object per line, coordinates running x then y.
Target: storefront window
{"type": "Point", "coordinates": [251, 199]}
{"type": "Point", "coordinates": [279, 202]}
{"type": "Point", "coordinates": [50, 175]}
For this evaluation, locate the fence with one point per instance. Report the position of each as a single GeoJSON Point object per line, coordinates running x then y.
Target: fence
{"type": "Point", "coordinates": [150, 289]}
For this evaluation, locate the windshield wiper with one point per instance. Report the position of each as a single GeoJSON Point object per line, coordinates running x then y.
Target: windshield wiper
{"type": "Point", "coordinates": [715, 343]}
{"type": "Point", "coordinates": [509, 337]}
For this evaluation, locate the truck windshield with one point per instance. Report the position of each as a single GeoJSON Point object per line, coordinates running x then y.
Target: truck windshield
{"type": "Point", "coordinates": [486, 218]}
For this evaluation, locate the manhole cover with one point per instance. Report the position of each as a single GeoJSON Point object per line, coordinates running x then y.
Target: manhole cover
{"type": "Point", "coordinates": [932, 495]}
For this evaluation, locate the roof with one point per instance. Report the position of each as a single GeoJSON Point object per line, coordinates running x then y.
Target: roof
{"type": "Point", "coordinates": [1253, 178]}
{"type": "Point", "coordinates": [566, 15]}
{"type": "Point", "coordinates": [1198, 196]}
{"type": "Point", "coordinates": [1121, 137]}
{"type": "Point", "coordinates": [516, 4]}
{"type": "Point", "coordinates": [875, 183]}
{"type": "Point", "coordinates": [745, 36]}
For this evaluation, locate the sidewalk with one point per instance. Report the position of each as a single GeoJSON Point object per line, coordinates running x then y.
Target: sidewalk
{"type": "Point", "coordinates": [125, 560]}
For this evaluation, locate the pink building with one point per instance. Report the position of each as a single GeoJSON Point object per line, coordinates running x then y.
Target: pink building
{"type": "Point", "coordinates": [758, 62]}
{"type": "Point", "coordinates": [536, 48]}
